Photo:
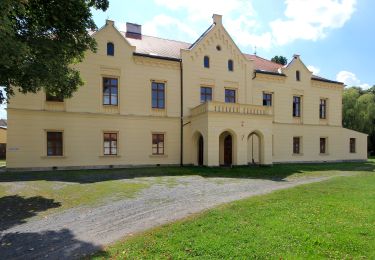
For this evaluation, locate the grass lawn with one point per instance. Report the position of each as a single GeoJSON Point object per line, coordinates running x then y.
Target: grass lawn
{"type": "Point", "coordinates": [42, 193]}
{"type": "Point", "coordinates": [2, 163]}
{"type": "Point", "coordinates": [332, 219]}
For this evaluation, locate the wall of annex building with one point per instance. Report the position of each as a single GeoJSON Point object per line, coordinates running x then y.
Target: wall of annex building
{"type": "Point", "coordinates": [337, 144]}
{"type": "Point", "coordinates": [310, 92]}
{"type": "Point", "coordinates": [3, 135]}
{"type": "Point", "coordinates": [83, 139]}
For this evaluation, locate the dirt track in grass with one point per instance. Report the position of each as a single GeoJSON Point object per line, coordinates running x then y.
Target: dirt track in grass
{"type": "Point", "coordinates": [80, 231]}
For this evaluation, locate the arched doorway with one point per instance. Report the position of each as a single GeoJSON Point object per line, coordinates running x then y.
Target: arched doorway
{"type": "Point", "coordinates": [254, 148]}
{"type": "Point", "coordinates": [227, 144]}
{"type": "Point", "coordinates": [200, 150]}
{"type": "Point", "coordinates": [228, 150]}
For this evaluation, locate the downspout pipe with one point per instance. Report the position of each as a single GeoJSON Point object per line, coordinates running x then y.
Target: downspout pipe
{"type": "Point", "coordinates": [181, 115]}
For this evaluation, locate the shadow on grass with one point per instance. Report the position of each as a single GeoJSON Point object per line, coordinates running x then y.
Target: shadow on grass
{"type": "Point", "coordinates": [50, 244]}
{"type": "Point", "coordinates": [276, 172]}
{"type": "Point", "coordinates": [14, 210]}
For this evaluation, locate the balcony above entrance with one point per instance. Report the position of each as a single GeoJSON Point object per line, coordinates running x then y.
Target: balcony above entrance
{"type": "Point", "coordinates": [231, 108]}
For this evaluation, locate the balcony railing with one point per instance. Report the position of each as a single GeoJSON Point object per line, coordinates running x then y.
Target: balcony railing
{"type": "Point", "coordinates": [221, 107]}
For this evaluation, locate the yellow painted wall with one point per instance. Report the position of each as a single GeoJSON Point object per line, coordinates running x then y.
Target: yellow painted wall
{"type": "Point", "coordinates": [83, 118]}
{"type": "Point", "coordinates": [83, 139]}
{"type": "Point", "coordinates": [3, 136]}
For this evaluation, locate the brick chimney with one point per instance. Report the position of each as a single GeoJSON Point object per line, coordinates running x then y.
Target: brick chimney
{"type": "Point", "coordinates": [133, 31]}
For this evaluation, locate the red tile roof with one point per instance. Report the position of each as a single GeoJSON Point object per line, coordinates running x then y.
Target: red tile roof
{"type": "Point", "coordinates": [155, 46]}
{"type": "Point", "coordinates": [264, 64]}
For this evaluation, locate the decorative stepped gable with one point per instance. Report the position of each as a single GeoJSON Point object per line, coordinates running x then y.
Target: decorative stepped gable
{"type": "Point", "coordinates": [157, 47]}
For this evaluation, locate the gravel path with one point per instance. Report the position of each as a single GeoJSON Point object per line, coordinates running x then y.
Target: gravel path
{"type": "Point", "coordinates": [79, 231]}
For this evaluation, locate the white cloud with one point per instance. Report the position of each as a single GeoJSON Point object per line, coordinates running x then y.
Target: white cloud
{"type": "Point", "coordinates": [165, 22]}
{"type": "Point", "coordinates": [203, 9]}
{"type": "Point", "coordinates": [313, 69]}
{"type": "Point", "coordinates": [311, 20]}
{"type": "Point", "coordinates": [161, 25]}
{"type": "Point", "coordinates": [241, 29]}
{"type": "Point", "coordinates": [302, 19]}
{"type": "Point", "coordinates": [350, 79]}
{"type": "Point", "coordinates": [238, 16]}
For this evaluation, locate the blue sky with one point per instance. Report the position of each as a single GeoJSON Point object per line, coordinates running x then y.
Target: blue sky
{"type": "Point", "coordinates": [335, 38]}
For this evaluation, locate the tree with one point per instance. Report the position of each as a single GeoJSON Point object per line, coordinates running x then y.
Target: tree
{"type": "Point", "coordinates": [280, 60]}
{"type": "Point", "coordinates": [40, 40]}
{"type": "Point", "coordinates": [359, 112]}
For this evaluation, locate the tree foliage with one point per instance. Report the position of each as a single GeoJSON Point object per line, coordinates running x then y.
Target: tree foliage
{"type": "Point", "coordinates": [40, 40]}
{"type": "Point", "coordinates": [280, 60]}
{"type": "Point", "coordinates": [359, 112]}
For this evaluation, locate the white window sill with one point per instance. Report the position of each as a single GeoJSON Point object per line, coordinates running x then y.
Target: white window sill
{"type": "Point", "coordinates": [110, 156]}
{"type": "Point", "coordinates": [53, 157]}
{"type": "Point", "coordinates": [297, 154]}
{"type": "Point", "coordinates": [158, 156]}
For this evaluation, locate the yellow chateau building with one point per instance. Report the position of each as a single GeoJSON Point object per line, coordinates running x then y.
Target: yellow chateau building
{"type": "Point", "coordinates": [151, 101]}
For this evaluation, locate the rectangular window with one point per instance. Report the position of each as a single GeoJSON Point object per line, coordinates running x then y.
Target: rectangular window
{"type": "Point", "coordinates": [296, 106]}
{"type": "Point", "coordinates": [230, 96]}
{"type": "Point", "coordinates": [110, 143]}
{"type": "Point", "coordinates": [323, 145]}
{"type": "Point", "coordinates": [158, 95]}
{"type": "Point", "coordinates": [323, 109]}
{"type": "Point", "coordinates": [267, 99]}
{"type": "Point", "coordinates": [206, 94]}
{"type": "Point", "coordinates": [157, 144]}
{"type": "Point", "coordinates": [54, 143]}
{"type": "Point", "coordinates": [110, 91]}
{"type": "Point", "coordinates": [296, 145]}
{"type": "Point", "coordinates": [54, 98]}
{"type": "Point", "coordinates": [352, 145]}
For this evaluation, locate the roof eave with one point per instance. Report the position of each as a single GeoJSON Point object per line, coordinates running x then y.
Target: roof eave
{"type": "Point", "coordinates": [328, 81]}
{"type": "Point", "coordinates": [270, 73]}
{"type": "Point", "coordinates": [156, 56]}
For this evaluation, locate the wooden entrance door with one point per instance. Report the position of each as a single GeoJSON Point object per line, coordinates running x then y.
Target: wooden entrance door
{"type": "Point", "coordinates": [200, 150]}
{"type": "Point", "coordinates": [228, 150]}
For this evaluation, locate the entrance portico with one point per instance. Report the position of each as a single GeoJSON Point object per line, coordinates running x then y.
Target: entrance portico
{"type": "Point", "coordinates": [231, 134]}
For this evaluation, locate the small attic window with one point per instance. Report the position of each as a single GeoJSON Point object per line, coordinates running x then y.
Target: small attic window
{"type": "Point", "coordinates": [206, 62]}
{"type": "Point", "coordinates": [230, 65]}
{"type": "Point", "coordinates": [298, 76]}
{"type": "Point", "coordinates": [110, 49]}
{"type": "Point", "coordinates": [218, 47]}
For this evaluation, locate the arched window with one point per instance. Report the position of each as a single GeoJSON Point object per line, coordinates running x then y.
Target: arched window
{"type": "Point", "coordinates": [206, 62]}
{"type": "Point", "coordinates": [298, 76]}
{"type": "Point", "coordinates": [110, 49]}
{"type": "Point", "coordinates": [230, 65]}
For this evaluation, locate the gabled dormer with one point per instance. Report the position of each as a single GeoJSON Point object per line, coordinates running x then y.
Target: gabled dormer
{"type": "Point", "coordinates": [216, 42]}
{"type": "Point", "coordinates": [215, 61]}
{"type": "Point", "coordinates": [297, 73]}
{"type": "Point", "coordinates": [111, 42]}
